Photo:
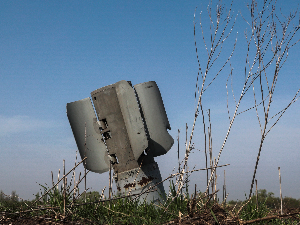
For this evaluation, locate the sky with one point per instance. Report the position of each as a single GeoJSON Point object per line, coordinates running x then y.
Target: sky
{"type": "Point", "coordinates": [56, 52]}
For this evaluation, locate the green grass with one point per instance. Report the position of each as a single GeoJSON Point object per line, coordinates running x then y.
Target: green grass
{"type": "Point", "coordinates": [128, 211]}
{"type": "Point", "coordinates": [119, 211]}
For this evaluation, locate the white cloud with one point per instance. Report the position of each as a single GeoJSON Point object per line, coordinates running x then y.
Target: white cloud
{"type": "Point", "coordinates": [18, 124]}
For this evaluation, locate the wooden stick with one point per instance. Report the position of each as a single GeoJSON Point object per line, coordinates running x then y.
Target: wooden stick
{"type": "Point", "coordinates": [280, 191]}
{"type": "Point", "coordinates": [109, 180]}
{"type": "Point", "coordinates": [85, 163]}
{"type": "Point", "coordinates": [178, 151]}
{"type": "Point", "coordinates": [64, 188]}
{"type": "Point", "coordinates": [224, 188]}
{"type": "Point", "coordinates": [256, 194]}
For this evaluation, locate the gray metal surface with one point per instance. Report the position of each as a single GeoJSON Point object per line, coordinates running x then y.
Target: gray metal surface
{"type": "Point", "coordinates": [118, 111]}
{"type": "Point", "coordinates": [138, 180]}
{"type": "Point", "coordinates": [132, 118]}
{"type": "Point", "coordinates": [82, 118]}
{"type": "Point", "coordinates": [155, 117]}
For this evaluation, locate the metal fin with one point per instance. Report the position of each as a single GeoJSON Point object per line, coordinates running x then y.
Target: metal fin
{"type": "Point", "coordinates": [86, 131]}
{"type": "Point", "coordinates": [155, 117]}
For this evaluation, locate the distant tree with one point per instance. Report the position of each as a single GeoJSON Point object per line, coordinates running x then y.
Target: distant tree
{"type": "Point", "coordinates": [267, 198]}
{"type": "Point", "coordinates": [262, 193]}
{"type": "Point", "coordinates": [14, 197]}
{"type": "Point", "coordinates": [2, 197]}
{"type": "Point", "coordinates": [291, 203]}
{"type": "Point", "coordinates": [37, 196]}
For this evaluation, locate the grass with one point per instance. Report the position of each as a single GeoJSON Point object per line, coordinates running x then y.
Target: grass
{"type": "Point", "coordinates": [93, 209]}
{"type": "Point", "coordinates": [178, 208]}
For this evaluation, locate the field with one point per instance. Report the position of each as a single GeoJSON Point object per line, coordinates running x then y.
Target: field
{"type": "Point", "coordinates": [197, 208]}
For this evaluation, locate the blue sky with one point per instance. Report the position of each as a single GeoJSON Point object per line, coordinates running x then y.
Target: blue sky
{"type": "Point", "coordinates": [55, 52]}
